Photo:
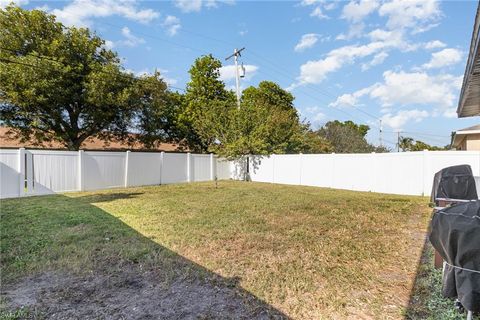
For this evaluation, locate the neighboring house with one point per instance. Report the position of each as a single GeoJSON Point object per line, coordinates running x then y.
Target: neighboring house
{"type": "Point", "coordinates": [467, 139]}
{"type": "Point", "coordinates": [10, 141]}
{"type": "Point", "coordinates": [469, 102]}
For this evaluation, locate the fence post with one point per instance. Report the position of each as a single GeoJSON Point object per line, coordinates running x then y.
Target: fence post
{"type": "Point", "coordinates": [81, 172]}
{"type": "Point", "coordinates": [162, 155]}
{"type": "Point", "coordinates": [425, 170]}
{"type": "Point", "coordinates": [300, 164]}
{"type": "Point", "coordinates": [212, 167]}
{"type": "Point", "coordinates": [21, 172]}
{"type": "Point", "coordinates": [332, 181]}
{"type": "Point", "coordinates": [373, 171]}
{"type": "Point", "coordinates": [189, 167]}
{"type": "Point", "coordinates": [273, 168]}
{"type": "Point", "coordinates": [127, 157]}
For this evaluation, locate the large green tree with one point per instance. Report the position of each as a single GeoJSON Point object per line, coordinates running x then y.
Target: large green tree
{"type": "Point", "coordinates": [266, 122]}
{"type": "Point", "coordinates": [62, 84]}
{"type": "Point", "coordinates": [157, 111]}
{"type": "Point", "coordinates": [348, 137]}
{"type": "Point", "coordinates": [206, 101]}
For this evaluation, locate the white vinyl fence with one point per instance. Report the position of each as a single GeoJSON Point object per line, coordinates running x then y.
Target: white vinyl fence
{"type": "Point", "coordinates": [408, 173]}
{"type": "Point", "coordinates": [36, 172]}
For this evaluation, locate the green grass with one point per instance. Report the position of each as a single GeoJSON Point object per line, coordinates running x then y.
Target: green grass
{"type": "Point", "coordinates": [309, 252]}
{"type": "Point", "coordinates": [426, 300]}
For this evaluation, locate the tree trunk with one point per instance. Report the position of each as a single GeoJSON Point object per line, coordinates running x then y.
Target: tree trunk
{"type": "Point", "coordinates": [74, 145]}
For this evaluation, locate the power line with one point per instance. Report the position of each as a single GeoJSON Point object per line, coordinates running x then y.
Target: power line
{"type": "Point", "coordinates": [130, 77]}
{"type": "Point", "coordinates": [159, 38]}
{"type": "Point", "coordinates": [227, 42]}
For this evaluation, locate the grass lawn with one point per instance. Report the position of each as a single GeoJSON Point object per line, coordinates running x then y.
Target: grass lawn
{"type": "Point", "coordinates": [242, 250]}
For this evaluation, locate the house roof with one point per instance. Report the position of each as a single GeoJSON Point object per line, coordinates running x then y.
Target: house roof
{"type": "Point", "coordinates": [9, 140]}
{"type": "Point", "coordinates": [459, 135]}
{"type": "Point", "coordinates": [469, 101]}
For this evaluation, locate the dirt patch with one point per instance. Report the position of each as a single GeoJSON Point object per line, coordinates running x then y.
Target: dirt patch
{"type": "Point", "coordinates": [132, 294]}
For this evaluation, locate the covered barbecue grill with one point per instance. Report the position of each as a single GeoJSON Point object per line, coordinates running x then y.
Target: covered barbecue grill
{"type": "Point", "coordinates": [455, 234]}
{"type": "Point", "coordinates": [455, 182]}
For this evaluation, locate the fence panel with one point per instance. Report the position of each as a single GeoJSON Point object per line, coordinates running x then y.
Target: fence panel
{"type": "Point", "coordinates": [352, 172]}
{"type": "Point", "coordinates": [409, 173]}
{"type": "Point", "coordinates": [104, 170]}
{"type": "Point", "coordinates": [9, 175]}
{"type": "Point", "coordinates": [53, 171]}
{"type": "Point", "coordinates": [144, 168]}
{"type": "Point", "coordinates": [200, 167]}
{"type": "Point", "coordinates": [287, 168]}
{"type": "Point", "coordinates": [317, 170]}
{"type": "Point", "coordinates": [175, 168]}
{"type": "Point", "coordinates": [260, 168]}
{"type": "Point", "coordinates": [224, 170]}
{"type": "Point", "coordinates": [399, 173]}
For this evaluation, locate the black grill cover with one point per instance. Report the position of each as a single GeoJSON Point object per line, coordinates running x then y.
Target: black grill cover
{"type": "Point", "coordinates": [455, 234]}
{"type": "Point", "coordinates": [455, 182]}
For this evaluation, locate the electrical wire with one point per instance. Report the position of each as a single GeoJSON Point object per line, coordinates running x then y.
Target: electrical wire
{"type": "Point", "coordinates": [130, 77]}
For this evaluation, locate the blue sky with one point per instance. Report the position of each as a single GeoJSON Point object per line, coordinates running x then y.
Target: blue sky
{"type": "Point", "coordinates": [399, 61]}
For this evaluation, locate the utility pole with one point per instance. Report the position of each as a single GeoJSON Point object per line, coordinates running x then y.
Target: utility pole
{"type": "Point", "coordinates": [235, 55]}
{"type": "Point", "coordinates": [381, 133]}
{"type": "Point", "coordinates": [398, 141]}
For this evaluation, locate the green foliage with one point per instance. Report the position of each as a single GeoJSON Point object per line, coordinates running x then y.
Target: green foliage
{"type": "Point", "coordinates": [62, 84]}
{"type": "Point", "coordinates": [158, 110]}
{"type": "Point", "coordinates": [266, 122]}
{"type": "Point", "coordinates": [361, 128]}
{"type": "Point", "coordinates": [348, 137]}
{"type": "Point", "coordinates": [206, 101]}
{"type": "Point", "coordinates": [410, 144]}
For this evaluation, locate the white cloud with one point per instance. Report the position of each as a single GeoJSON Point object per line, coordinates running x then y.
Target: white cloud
{"type": "Point", "coordinates": [350, 100]}
{"type": "Point", "coordinates": [400, 89]}
{"type": "Point", "coordinates": [80, 12]}
{"type": "Point", "coordinates": [357, 10]}
{"type": "Point", "coordinates": [320, 5]}
{"type": "Point", "coordinates": [377, 59]}
{"type": "Point", "coordinates": [307, 41]}
{"type": "Point", "coordinates": [197, 5]}
{"type": "Point", "coordinates": [145, 72]}
{"type": "Point", "coordinates": [316, 71]}
{"type": "Point", "coordinates": [444, 58]}
{"type": "Point", "coordinates": [44, 7]}
{"type": "Point", "coordinates": [189, 5]}
{"type": "Point", "coordinates": [227, 73]}
{"type": "Point", "coordinates": [405, 88]}
{"type": "Point", "coordinates": [109, 44]}
{"type": "Point", "coordinates": [398, 120]}
{"type": "Point", "coordinates": [435, 44]}
{"type": "Point", "coordinates": [130, 39]}
{"type": "Point", "coordinates": [309, 2]}
{"type": "Point", "coordinates": [354, 31]}
{"type": "Point", "coordinates": [172, 24]}
{"type": "Point", "coordinates": [5, 3]}
{"type": "Point", "coordinates": [315, 116]}
{"type": "Point", "coordinates": [415, 14]}
{"type": "Point", "coordinates": [317, 12]}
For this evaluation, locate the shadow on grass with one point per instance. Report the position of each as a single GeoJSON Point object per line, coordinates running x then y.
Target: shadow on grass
{"type": "Point", "coordinates": [65, 258]}
{"type": "Point", "coordinates": [426, 300]}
